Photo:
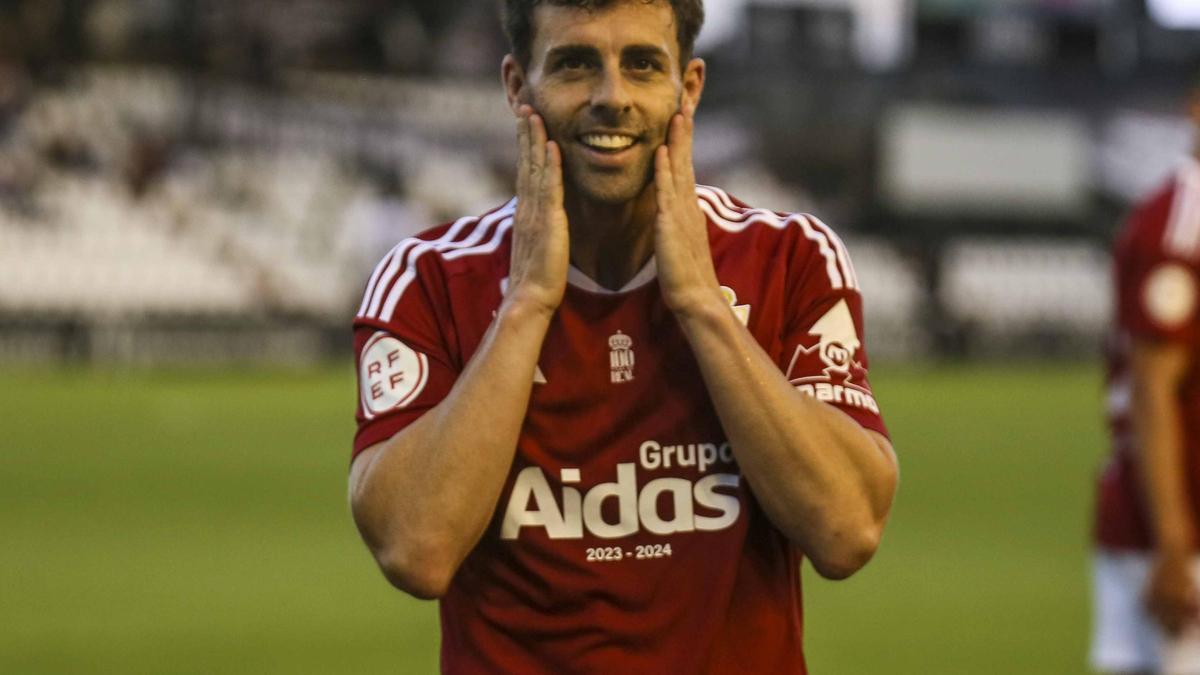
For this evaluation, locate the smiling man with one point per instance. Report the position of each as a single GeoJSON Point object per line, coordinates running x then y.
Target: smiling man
{"type": "Point", "coordinates": [605, 422]}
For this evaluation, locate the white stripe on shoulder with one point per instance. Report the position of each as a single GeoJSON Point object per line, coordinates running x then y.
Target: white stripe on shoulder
{"type": "Point", "coordinates": [1183, 227]}
{"type": "Point", "coordinates": [717, 192]}
{"type": "Point", "coordinates": [842, 254]}
{"type": "Point", "coordinates": [1191, 219]}
{"type": "Point", "coordinates": [1172, 237]}
{"type": "Point", "coordinates": [387, 260]}
{"type": "Point", "coordinates": [732, 218]}
{"type": "Point", "coordinates": [450, 250]}
{"type": "Point", "coordinates": [735, 218]}
{"type": "Point", "coordinates": [387, 268]}
{"type": "Point", "coordinates": [399, 261]}
{"type": "Point", "coordinates": [399, 257]}
{"type": "Point", "coordinates": [491, 245]}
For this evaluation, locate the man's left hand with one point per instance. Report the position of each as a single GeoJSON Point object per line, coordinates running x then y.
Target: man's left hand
{"type": "Point", "coordinates": [685, 267]}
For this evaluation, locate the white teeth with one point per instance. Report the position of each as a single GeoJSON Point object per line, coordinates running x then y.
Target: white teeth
{"type": "Point", "coordinates": [607, 142]}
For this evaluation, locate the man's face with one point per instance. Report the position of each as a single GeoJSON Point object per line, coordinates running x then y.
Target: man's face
{"type": "Point", "coordinates": [607, 83]}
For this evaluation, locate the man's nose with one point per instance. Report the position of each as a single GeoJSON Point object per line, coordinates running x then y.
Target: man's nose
{"type": "Point", "coordinates": [611, 90]}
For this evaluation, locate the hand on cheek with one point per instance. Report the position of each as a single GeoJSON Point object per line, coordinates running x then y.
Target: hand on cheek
{"type": "Point", "coordinates": [540, 255]}
{"type": "Point", "coordinates": [685, 267]}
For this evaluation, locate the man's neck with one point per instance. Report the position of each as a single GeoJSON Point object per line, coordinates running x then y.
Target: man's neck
{"type": "Point", "coordinates": [611, 243]}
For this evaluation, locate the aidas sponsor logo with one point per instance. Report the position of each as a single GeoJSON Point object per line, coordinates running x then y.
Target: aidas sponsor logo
{"type": "Point", "coordinates": [832, 348]}
{"type": "Point", "coordinates": [706, 504]}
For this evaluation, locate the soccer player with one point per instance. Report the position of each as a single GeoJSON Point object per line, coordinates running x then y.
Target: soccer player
{"type": "Point", "coordinates": [604, 422]}
{"type": "Point", "coordinates": [1147, 608]}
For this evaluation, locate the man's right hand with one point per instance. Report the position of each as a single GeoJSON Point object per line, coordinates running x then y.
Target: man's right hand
{"type": "Point", "coordinates": [540, 245]}
{"type": "Point", "coordinates": [423, 498]}
{"type": "Point", "coordinates": [1171, 594]}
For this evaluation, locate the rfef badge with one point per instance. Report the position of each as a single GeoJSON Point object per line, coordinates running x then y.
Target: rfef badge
{"type": "Point", "coordinates": [391, 374]}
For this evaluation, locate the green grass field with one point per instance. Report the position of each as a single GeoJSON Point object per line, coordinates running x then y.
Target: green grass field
{"type": "Point", "coordinates": [197, 523]}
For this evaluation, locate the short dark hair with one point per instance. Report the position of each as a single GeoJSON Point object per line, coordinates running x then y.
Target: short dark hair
{"type": "Point", "coordinates": [517, 16]}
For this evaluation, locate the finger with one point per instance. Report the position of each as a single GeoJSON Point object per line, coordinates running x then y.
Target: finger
{"type": "Point", "coordinates": [688, 108]}
{"type": "Point", "coordinates": [537, 144]}
{"type": "Point", "coordinates": [553, 183]}
{"type": "Point", "coordinates": [681, 152]}
{"type": "Point", "coordinates": [522, 155]}
{"type": "Point", "coordinates": [664, 180]}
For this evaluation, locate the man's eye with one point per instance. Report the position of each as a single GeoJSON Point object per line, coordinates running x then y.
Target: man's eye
{"type": "Point", "coordinates": [572, 63]}
{"type": "Point", "coordinates": [644, 64]}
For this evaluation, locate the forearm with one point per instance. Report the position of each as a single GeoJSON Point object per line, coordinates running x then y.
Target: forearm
{"type": "Point", "coordinates": [1157, 426]}
{"type": "Point", "coordinates": [423, 498]}
{"type": "Point", "coordinates": [1157, 370]}
{"type": "Point", "coordinates": [819, 476]}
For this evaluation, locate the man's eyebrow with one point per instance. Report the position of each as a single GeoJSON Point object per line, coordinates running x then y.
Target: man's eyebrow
{"type": "Point", "coordinates": [644, 51]}
{"type": "Point", "coordinates": [572, 51]}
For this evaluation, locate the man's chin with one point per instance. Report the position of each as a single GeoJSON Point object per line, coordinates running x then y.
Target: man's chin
{"type": "Point", "coordinates": [608, 197]}
{"type": "Point", "coordinates": [609, 190]}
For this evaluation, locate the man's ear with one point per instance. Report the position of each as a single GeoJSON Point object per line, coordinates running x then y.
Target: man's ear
{"type": "Point", "coordinates": [513, 76]}
{"type": "Point", "coordinates": [693, 84]}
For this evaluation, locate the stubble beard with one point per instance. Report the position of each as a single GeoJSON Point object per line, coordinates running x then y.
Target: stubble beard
{"type": "Point", "coordinates": [608, 188]}
{"type": "Point", "coordinates": [605, 187]}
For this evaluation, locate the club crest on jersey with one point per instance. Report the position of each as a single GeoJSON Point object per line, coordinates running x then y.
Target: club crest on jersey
{"type": "Point", "coordinates": [390, 373]}
{"type": "Point", "coordinates": [620, 357]}
{"type": "Point", "coordinates": [832, 347]}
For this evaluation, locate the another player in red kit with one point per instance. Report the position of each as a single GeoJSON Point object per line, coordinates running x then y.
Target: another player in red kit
{"type": "Point", "coordinates": [604, 422]}
{"type": "Point", "coordinates": [1147, 616]}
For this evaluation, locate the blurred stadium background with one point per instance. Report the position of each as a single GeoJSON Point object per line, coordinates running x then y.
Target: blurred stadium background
{"type": "Point", "coordinates": [192, 193]}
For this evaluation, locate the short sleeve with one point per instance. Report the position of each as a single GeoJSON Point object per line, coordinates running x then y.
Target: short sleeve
{"type": "Point", "coordinates": [1157, 292]}
{"type": "Point", "coordinates": [824, 354]}
{"type": "Point", "coordinates": [402, 334]}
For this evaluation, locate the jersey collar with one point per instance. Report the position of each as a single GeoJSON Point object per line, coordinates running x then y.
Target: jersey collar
{"type": "Point", "coordinates": [583, 282]}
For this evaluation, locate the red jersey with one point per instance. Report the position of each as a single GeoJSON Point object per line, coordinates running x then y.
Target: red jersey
{"type": "Point", "coordinates": [625, 538]}
{"type": "Point", "coordinates": [1156, 267]}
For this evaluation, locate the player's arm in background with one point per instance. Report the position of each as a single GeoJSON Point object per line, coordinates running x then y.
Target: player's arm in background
{"type": "Point", "coordinates": [1158, 370]}
{"type": "Point", "coordinates": [822, 478]}
{"type": "Point", "coordinates": [1157, 307]}
{"type": "Point", "coordinates": [423, 498]}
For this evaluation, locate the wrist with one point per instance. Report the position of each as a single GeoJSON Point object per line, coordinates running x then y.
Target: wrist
{"type": "Point", "coordinates": [702, 307]}
{"type": "Point", "coordinates": [1175, 543]}
{"type": "Point", "coordinates": [1177, 550]}
{"type": "Point", "coordinates": [522, 309]}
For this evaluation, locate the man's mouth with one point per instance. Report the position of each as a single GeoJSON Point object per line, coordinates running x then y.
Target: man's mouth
{"type": "Point", "coordinates": [608, 143]}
